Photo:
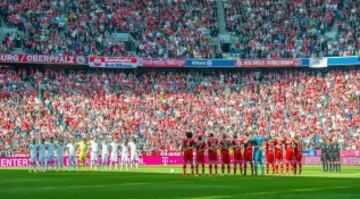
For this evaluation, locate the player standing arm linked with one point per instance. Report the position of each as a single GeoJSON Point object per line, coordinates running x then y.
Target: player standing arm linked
{"type": "Point", "coordinates": [200, 155]}
{"type": "Point", "coordinates": [42, 155]}
{"type": "Point", "coordinates": [124, 155]}
{"type": "Point", "coordinates": [72, 155]}
{"type": "Point", "coordinates": [248, 155]}
{"type": "Point", "coordinates": [114, 155]}
{"type": "Point", "coordinates": [94, 153]}
{"type": "Point", "coordinates": [237, 146]}
{"type": "Point", "coordinates": [51, 154]}
{"type": "Point", "coordinates": [134, 157]}
{"type": "Point", "coordinates": [270, 155]}
{"type": "Point", "coordinates": [60, 154]}
{"type": "Point", "coordinates": [187, 149]}
{"type": "Point", "coordinates": [298, 155]}
{"type": "Point", "coordinates": [212, 145]}
{"type": "Point", "coordinates": [33, 148]}
{"type": "Point", "coordinates": [83, 146]}
{"type": "Point", "coordinates": [225, 154]}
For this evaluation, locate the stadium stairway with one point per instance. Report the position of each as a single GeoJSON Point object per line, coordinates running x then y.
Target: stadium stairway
{"type": "Point", "coordinates": [224, 37]}
{"type": "Point", "coordinates": [5, 30]}
{"type": "Point", "coordinates": [221, 16]}
{"type": "Point", "coordinates": [60, 122]}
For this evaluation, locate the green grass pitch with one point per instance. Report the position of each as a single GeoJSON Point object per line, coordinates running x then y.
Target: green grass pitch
{"type": "Point", "coordinates": [158, 182]}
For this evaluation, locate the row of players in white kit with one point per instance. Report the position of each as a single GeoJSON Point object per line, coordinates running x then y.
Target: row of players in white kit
{"type": "Point", "coordinates": [113, 148]}
{"type": "Point", "coordinates": [43, 155]}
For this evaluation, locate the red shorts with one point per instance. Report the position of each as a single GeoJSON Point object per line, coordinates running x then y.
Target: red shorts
{"type": "Point", "coordinates": [289, 156]}
{"type": "Point", "coordinates": [248, 155]}
{"type": "Point", "coordinates": [270, 157]}
{"type": "Point", "coordinates": [298, 157]}
{"type": "Point", "coordinates": [188, 156]}
{"type": "Point", "coordinates": [212, 156]}
{"type": "Point", "coordinates": [200, 157]}
{"type": "Point", "coordinates": [278, 155]}
{"type": "Point", "coordinates": [225, 157]}
{"type": "Point", "coordinates": [238, 157]}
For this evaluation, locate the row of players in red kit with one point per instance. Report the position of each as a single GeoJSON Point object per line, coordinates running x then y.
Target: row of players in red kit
{"type": "Point", "coordinates": [255, 151]}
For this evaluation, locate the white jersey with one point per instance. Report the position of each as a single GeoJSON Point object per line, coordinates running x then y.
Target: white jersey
{"type": "Point", "coordinates": [71, 148]}
{"type": "Point", "coordinates": [33, 151]}
{"type": "Point", "coordinates": [124, 152]}
{"type": "Point", "coordinates": [133, 151]}
{"type": "Point", "coordinates": [114, 151]}
{"type": "Point", "coordinates": [104, 148]}
{"type": "Point", "coordinates": [42, 149]}
{"type": "Point", "coordinates": [124, 149]}
{"type": "Point", "coordinates": [132, 147]}
{"type": "Point", "coordinates": [94, 145]}
{"type": "Point", "coordinates": [51, 149]}
{"type": "Point", "coordinates": [60, 150]}
{"type": "Point", "coordinates": [114, 148]}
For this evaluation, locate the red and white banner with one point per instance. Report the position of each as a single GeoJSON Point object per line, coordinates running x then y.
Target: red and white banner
{"type": "Point", "coordinates": [113, 62]}
{"type": "Point", "coordinates": [163, 62]}
{"type": "Point", "coordinates": [42, 59]}
{"type": "Point", "coordinates": [253, 63]}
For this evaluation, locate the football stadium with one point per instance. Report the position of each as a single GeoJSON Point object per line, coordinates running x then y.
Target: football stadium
{"type": "Point", "coordinates": [183, 99]}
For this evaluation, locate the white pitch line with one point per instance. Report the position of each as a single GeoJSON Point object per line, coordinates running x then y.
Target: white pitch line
{"type": "Point", "coordinates": [73, 186]}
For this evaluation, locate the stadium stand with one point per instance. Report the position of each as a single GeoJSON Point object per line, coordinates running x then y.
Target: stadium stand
{"type": "Point", "coordinates": [161, 28]}
{"type": "Point", "coordinates": [158, 106]}
{"type": "Point", "coordinates": [183, 28]}
{"type": "Point", "coordinates": [294, 28]}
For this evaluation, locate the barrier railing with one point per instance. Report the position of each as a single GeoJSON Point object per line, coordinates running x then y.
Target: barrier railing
{"type": "Point", "coordinates": [134, 62]}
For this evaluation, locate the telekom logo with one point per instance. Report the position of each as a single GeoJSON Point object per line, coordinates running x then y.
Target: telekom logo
{"type": "Point", "coordinates": [141, 161]}
{"type": "Point", "coordinates": [165, 160]}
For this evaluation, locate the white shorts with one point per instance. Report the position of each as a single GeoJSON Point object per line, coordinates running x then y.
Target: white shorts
{"type": "Point", "coordinates": [72, 159]}
{"type": "Point", "coordinates": [94, 156]}
{"type": "Point", "coordinates": [51, 157]}
{"type": "Point", "coordinates": [124, 158]}
{"type": "Point", "coordinates": [33, 159]}
{"type": "Point", "coordinates": [42, 160]}
{"type": "Point", "coordinates": [134, 157]}
{"type": "Point", "coordinates": [60, 160]}
{"type": "Point", "coordinates": [104, 158]}
{"type": "Point", "coordinates": [114, 158]}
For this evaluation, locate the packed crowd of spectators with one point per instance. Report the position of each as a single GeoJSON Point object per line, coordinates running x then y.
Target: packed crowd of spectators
{"type": "Point", "coordinates": [157, 107]}
{"type": "Point", "coordinates": [161, 28]}
{"type": "Point", "coordinates": [294, 28]}
{"type": "Point", "coordinates": [183, 28]}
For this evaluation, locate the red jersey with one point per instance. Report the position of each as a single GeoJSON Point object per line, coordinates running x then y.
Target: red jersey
{"type": "Point", "coordinates": [248, 146]}
{"type": "Point", "coordinates": [200, 152]}
{"type": "Point", "coordinates": [188, 144]}
{"type": "Point", "coordinates": [270, 147]}
{"type": "Point", "coordinates": [248, 152]}
{"type": "Point", "coordinates": [200, 147]}
{"type": "Point", "coordinates": [270, 152]}
{"type": "Point", "coordinates": [278, 150]}
{"type": "Point", "coordinates": [225, 145]}
{"type": "Point", "coordinates": [278, 145]}
{"type": "Point", "coordinates": [289, 146]}
{"type": "Point", "coordinates": [289, 149]}
{"type": "Point", "coordinates": [212, 144]}
{"type": "Point", "coordinates": [298, 147]}
{"type": "Point", "coordinates": [237, 145]}
{"type": "Point", "coordinates": [298, 151]}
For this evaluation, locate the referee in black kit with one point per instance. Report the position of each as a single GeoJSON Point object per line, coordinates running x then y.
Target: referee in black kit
{"type": "Point", "coordinates": [325, 153]}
